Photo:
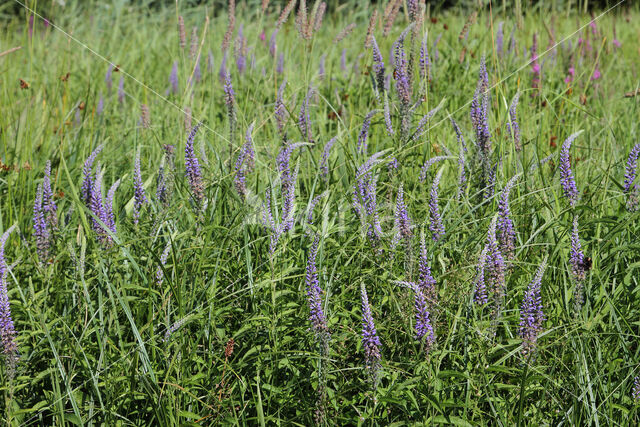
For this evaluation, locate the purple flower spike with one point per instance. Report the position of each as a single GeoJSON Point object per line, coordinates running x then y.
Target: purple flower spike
{"type": "Point", "coordinates": [506, 231]}
{"type": "Point", "coordinates": [44, 215]}
{"type": "Point", "coordinates": [280, 64]}
{"type": "Point", "coordinates": [531, 314]}
{"type": "Point", "coordinates": [480, 293]}
{"type": "Point", "coordinates": [435, 221]}
{"type": "Point", "coordinates": [364, 199]}
{"type": "Point", "coordinates": [7, 329]}
{"type": "Point", "coordinates": [535, 65]}
{"type": "Point", "coordinates": [500, 39]}
{"type": "Point", "coordinates": [87, 180]}
{"type": "Point", "coordinates": [139, 195]}
{"type": "Point", "coordinates": [632, 166]}
{"type": "Point", "coordinates": [324, 162]}
{"type": "Point", "coordinates": [424, 60]}
{"type": "Point", "coordinates": [244, 163]}
{"type": "Point", "coordinates": [512, 125]}
{"type": "Point", "coordinates": [193, 168]}
{"type": "Point", "coordinates": [304, 118]}
{"type": "Point", "coordinates": [230, 100]}
{"type": "Point", "coordinates": [173, 78]}
{"type": "Point", "coordinates": [578, 267]}
{"type": "Point", "coordinates": [630, 188]}
{"type": "Point", "coordinates": [370, 341]}
{"type": "Point", "coordinates": [281, 111]}
{"type": "Point", "coordinates": [364, 132]}
{"type": "Point", "coordinates": [378, 66]}
{"type": "Point", "coordinates": [567, 180]}
{"type": "Point", "coordinates": [427, 165]}
{"type": "Point", "coordinates": [314, 299]}
{"type": "Point", "coordinates": [163, 261]}
{"type": "Point", "coordinates": [424, 329]}
{"type": "Point", "coordinates": [426, 282]}
{"type": "Point", "coordinates": [402, 222]}
{"type": "Point", "coordinates": [494, 274]}
{"type": "Point", "coordinates": [41, 230]}
{"type": "Point", "coordinates": [635, 393]}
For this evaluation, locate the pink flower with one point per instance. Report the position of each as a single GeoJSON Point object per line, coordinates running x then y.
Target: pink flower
{"type": "Point", "coordinates": [596, 74]}
{"type": "Point", "coordinates": [616, 43]}
{"type": "Point", "coordinates": [263, 36]}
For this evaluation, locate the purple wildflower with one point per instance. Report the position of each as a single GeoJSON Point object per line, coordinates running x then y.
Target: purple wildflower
{"type": "Point", "coordinates": [244, 163]}
{"type": "Point", "coordinates": [424, 329]}
{"type": "Point", "coordinates": [321, 67]}
{"type": "Point", "coordinates": [392, 166]}
{"type": "Point", "coordinates": [635, 393]}
{"type": "Point", "coordinates": [364, 198]}
{"type": "Point", "coordinates": [479, 112]}
{"type": "Point", "coordinates": [370, 341]}
{"type": "Point", "coordinates": [424, 60]}
{"type": "Point", "coordinates": [423, 122]}
{"type": "Point", "coordinates": [578, 269]}
{"type": "Point", "coordinates": [378, 66]}
{"type": "Point", "coordinates": [222, 74]}
{"type": "Point", "coordinates": [426, 282]}
{"type": "Point", "coordinates": [193, 168]}
{"type": "Point", "coordinates": [531, 314]}
{"type": "Point", "coordinates": [512, 125]}
{"type": "Point", "coordinates": [173, 78]}
{"type": "Point", "coordinates": [435, 221]}
{"type": "Point", "coordinates": [314, 299]}
{"type": "Point", "coordinates": [402, 222]}
{"type": "Point", "coordinates": [304, 118]}
{"type": "Point", "coordinates": [41, 230]}
{"type": "Point", "coordinates": [494, 273]}
{"type": "Point", "coordinates": [280, 64]}
{"type": "Point", "coordinates": [387, 116]}
{"type": "Point", "coordinates": [288, 185]}
{"type": "Point", "coordinates": [506, 231]}
{"type": "Point", "coordinates": [632, 166]}
{"type": "Point", "coordinates": [229, 100]}
{"type": "Point", "coordinates": [427, 165]}
{"type": "Point", "coordinates": [462, 177]}
{"type": "Point", "coordinates": [163, 262]}
{"type": "Point", "coordinates": [324, 161]}
{"type": "Point", "coordinates": [281, 111]}
{"type": "Point", "coordinates": [567, 180]}
{"type": "Point", "coordinates": [139, 195]}
{"type": "Point", "coordinates": [480, 292]}
{"type": "Point", "coordinates": [343, 61]}
{"type": "Point", "coordinates": [312, 206]}
{"type": "Point", "coordinates": [364, 132]}
{"type": "Point", "coordinates": [164, 180]}
{"type": "Point", "coordinates": [7, 329]}
{"type": "Point", "coordinates": [87, 171]}
{"type": "Point", "coordinates": [500, 39]}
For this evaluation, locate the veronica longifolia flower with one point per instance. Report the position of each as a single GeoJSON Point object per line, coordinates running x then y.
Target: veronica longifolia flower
{"type": "Point", "coordinates": [567, 180]}
{"type": "Point", "coordinates": [304, 118]}
{"type": "Point", "coordinates": [192, 165]}
{"type": "Point", "coordinates": [370, 341]}
{"type": "Point", "coordinates": [324, 161]}
{"type": "Point", "coordinates": [364, 198]}
{"type": "Point", "coordinates": [364, 132]}
{"type": "Point", "coordinates": [7, 329]}
{"type": "Point", "coordinates": [244, 163]}
{"type": "Point", "coordinates": [402, 222]}
{"type": "Point", "coordinates": [435, 221]}
{"type": "Point", "coordinates": [506, 230]}
{"type": "Point", "coordinates": [512, 125]}
{"type": "Point", "coordinates": [531, 314]}
{"type": "Point", "coordinates": [139, 195]}
{"type": "Point", "coordinates": [87, 178]}
{"type": "Point", "coordinates": [314, 299]}
{"type": "Point", "coordinates": [578, 265]}
{"type": "Point", "coordinates": [629, 187]}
